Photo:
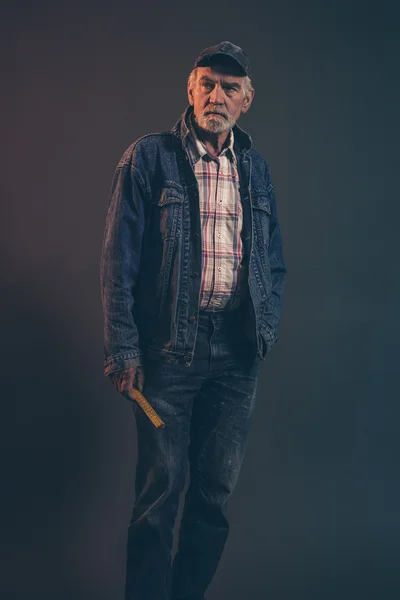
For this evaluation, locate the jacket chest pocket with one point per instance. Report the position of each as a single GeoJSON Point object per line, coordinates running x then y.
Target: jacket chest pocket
{"type": "Point", "coordinates": [170, 213]}
{"type": "Point", "coordinates": [261, 217]}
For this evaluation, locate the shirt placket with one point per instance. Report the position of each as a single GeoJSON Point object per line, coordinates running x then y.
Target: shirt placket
{"type": "Point", "coordinates": [219, 263]}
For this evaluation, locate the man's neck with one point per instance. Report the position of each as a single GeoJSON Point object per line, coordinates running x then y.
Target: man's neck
{"type": "Point", "coordinates": [214, 142]}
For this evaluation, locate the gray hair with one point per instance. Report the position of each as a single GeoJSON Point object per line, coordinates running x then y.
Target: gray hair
{"type": "Point", "coordinates": [247, 85]}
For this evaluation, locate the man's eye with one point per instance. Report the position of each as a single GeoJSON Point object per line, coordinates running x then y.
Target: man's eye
{"type": "Point", "coordinates": [208, 86]}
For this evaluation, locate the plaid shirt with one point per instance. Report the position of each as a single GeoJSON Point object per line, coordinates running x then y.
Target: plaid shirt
{"type": "Point", "coordinates": [222, 277]}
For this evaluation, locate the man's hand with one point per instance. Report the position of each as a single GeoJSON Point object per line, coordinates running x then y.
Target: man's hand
{"type": "Point", "coordinates": [123, 381]}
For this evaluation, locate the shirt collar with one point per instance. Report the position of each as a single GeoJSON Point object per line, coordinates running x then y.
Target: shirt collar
{"type": "Point", "coordinates": [196, 149]}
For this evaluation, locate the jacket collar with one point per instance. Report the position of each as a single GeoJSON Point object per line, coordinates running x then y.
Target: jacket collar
{"type": "Point", "coordinates": [243, 141]}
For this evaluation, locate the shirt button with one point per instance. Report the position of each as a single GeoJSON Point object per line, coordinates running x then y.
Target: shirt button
{"type": "Point", "coordinates": [219, 268]}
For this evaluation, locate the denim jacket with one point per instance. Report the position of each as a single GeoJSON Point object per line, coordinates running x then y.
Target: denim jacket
{"type": "Point", "coordinates": [151, 257]}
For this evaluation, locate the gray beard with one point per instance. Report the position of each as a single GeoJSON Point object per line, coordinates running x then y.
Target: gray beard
{"type": "Point", "coordinates": [215, 124]}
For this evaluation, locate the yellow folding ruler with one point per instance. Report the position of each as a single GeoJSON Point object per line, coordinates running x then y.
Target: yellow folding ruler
{"type": "Point", "coordinates": [147, 408]}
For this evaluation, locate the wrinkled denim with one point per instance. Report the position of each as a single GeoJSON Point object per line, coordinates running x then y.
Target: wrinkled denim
{"type": "Point", "coordinates": [207, 409]}
{"type": "Point", "coordinates": [151, 258]}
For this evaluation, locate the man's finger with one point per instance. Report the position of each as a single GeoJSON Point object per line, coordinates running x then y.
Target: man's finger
{"type": "Point", "coordinates": [124, 380]}
{"type": "Point", "coordinates": [139, 379]}
{"type": "Point", "coordinates": [127, 380]}
{"type": "Point", "coordinates": [114, 380]}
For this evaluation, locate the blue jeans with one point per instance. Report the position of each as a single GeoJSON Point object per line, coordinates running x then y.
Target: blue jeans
{"type": "Point", "coordinates": [207, 410]}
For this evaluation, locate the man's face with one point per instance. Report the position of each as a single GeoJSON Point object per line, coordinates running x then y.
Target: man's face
{"type": "Point", "coordinates": [218, 98]}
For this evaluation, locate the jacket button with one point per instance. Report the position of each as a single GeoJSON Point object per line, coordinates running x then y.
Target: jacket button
{"type": "Point", "coordinates": [192, 319]}
{"type": "Point", "coordinates": [186, 358]}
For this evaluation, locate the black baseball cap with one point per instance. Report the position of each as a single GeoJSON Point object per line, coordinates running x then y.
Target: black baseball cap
{"type": "Point", "coordinates": [227, 50]}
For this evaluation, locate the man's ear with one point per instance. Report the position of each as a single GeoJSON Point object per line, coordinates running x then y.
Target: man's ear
{"type": "Point", "coordinates": [247, 101]}
{"type": "Point", "coordinates": [190, 95]}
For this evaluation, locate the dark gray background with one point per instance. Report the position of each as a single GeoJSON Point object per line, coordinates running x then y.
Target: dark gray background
{"type": "Point", "coordinates": [316, 511]}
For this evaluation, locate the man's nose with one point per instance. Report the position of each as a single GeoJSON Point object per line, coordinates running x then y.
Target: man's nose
{"type": "Point", "coordinates": [217, 95]}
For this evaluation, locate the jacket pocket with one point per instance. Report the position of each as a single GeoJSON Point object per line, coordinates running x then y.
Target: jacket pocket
{"type": "Point", "coordinates": [261, 217]}
{"type": "Point", "coordinates": [170, 206]}
{"type": "Point", "coordinates": [169, 256]}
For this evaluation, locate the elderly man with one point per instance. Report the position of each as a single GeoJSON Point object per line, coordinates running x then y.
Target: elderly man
{"type": "Point", "coordinates": [192, 275]}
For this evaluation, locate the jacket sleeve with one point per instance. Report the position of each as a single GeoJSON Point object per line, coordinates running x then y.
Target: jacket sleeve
{"type": "Point", "coordinates": [277, 264]}
{"type": "Point", "coordinates": [119, 266]}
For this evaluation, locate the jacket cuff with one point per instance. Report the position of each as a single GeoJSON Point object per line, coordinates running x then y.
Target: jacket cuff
{"type": "Point", "coordinates": [122, 362]}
